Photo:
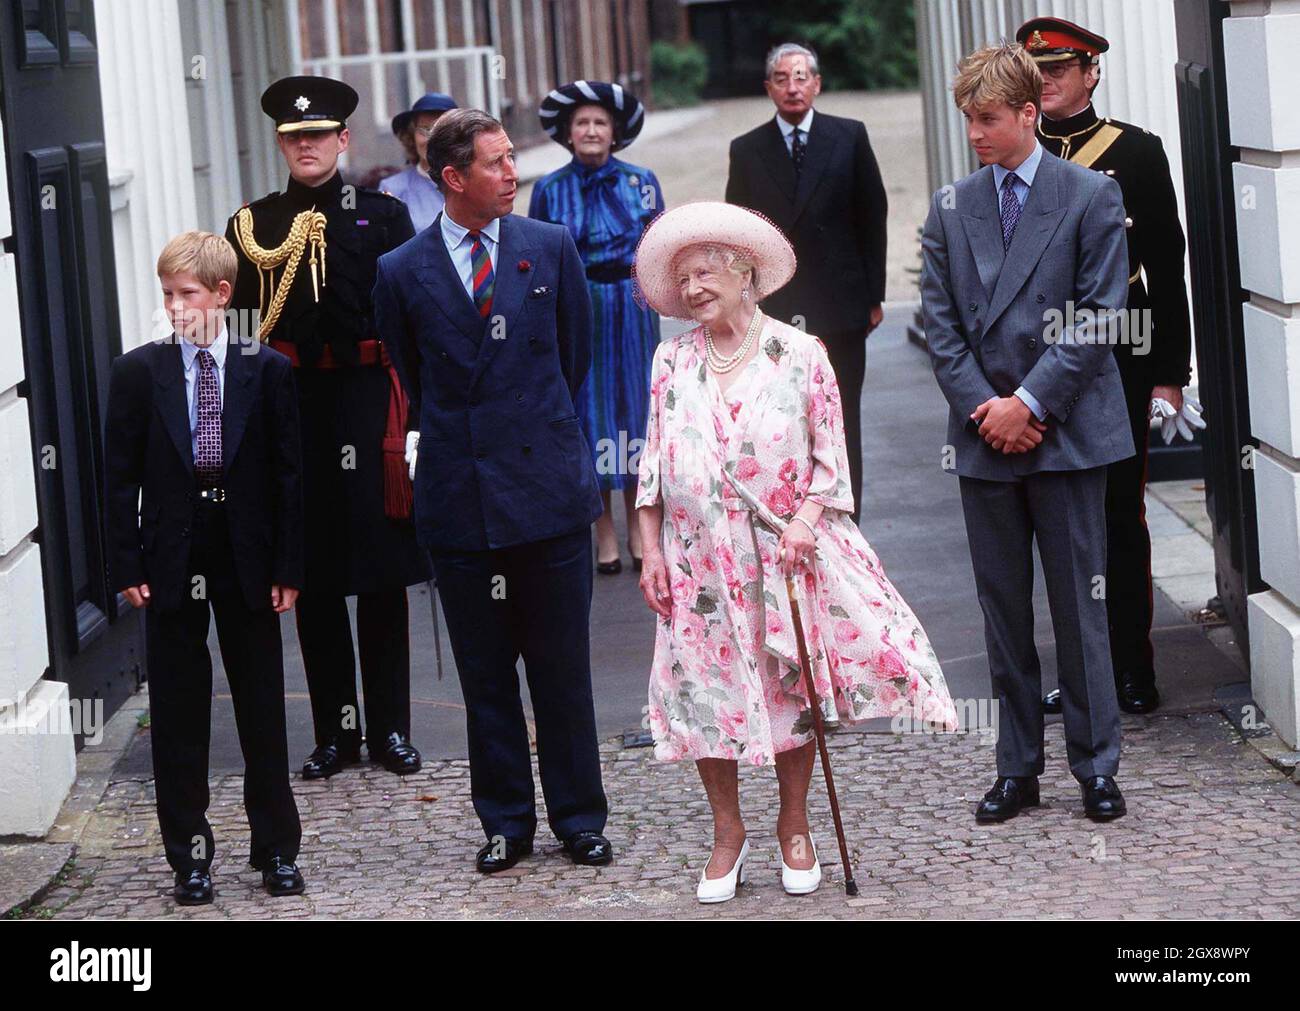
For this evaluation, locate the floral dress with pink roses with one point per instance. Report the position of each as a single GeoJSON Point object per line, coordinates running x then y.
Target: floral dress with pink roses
{"type": "Point", "coordinates": [725, 681]}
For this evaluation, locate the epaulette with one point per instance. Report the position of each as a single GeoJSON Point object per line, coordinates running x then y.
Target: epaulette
{"type": "Point", "coordinates": [1127, 126]}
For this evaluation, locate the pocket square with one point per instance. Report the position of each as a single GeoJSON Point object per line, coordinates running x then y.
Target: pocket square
{"type": "Point", "coordinates": [540, 292]}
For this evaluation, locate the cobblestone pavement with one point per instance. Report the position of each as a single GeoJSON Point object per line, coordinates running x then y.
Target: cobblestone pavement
{"type": "Point", "coordinates": [1213, 831]}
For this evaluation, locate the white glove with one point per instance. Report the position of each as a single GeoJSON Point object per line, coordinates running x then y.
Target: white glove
{"type": "Point", "coordinates": [1177, 422]}
{"type": "Point", "coordinates": [412, 444]}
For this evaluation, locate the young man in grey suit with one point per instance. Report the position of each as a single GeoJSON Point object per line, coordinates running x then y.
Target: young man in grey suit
{"type": "Point", "coordinates": [1023, 287]}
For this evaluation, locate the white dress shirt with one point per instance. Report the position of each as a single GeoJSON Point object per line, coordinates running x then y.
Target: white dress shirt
{"type": "Point", "coordinates": [190, 361]}
{"type": "Point", "coordinates": [787, 130]}
{"type": "Point", "coordinates": [459, 244]}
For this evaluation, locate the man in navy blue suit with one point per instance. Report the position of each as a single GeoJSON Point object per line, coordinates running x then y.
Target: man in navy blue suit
{"type": "Point", "coordinates": [488, 320]}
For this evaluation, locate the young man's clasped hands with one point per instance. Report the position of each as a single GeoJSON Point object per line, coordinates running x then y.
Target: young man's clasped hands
{"type": "Point", "coordinates": [1008, 425]}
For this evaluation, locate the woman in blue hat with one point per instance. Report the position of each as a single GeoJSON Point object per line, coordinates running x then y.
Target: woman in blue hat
{"type": "Point", "coordinates": [413, 185]}
{"type": "Point", "coordinates": [606, 204]}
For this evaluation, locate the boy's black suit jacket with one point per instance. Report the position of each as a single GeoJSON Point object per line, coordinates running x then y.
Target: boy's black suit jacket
{"type": "Point", "coordinates": [149, 471]}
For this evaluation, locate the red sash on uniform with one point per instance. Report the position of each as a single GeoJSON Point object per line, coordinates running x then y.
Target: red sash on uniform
{"type": "Point", "coordinates": [398, 496]}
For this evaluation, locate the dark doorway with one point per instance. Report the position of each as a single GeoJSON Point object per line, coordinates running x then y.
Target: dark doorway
{"type": "Point", "coordinates": [1216, 305]}
{"type": "Point", "coordinates": [63, 246]}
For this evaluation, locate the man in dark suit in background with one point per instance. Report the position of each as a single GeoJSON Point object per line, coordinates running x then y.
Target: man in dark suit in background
{"type": "Point", "coordinates": [489, 324]}
{"type": "Point", "coordinates": [815, 176]}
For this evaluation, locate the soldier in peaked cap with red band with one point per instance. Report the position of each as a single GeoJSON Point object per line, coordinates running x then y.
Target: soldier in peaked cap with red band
{"type": "Point", "coordinates": [307, 265]}
{"type": "Point", "coordinates": [1156, 360]}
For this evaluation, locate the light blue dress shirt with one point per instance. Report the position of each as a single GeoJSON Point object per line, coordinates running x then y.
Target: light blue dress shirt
{"type": "Point", "coordinates": [459, 245]}
{"type": "Point", "coordinates": [787, 130]}
{"type": "Point", "coordinates": [190, 361]}
{"type": "Point", "coordinates": [1022, 178]}
{"type": "Point", "coordinates": [420, 194]}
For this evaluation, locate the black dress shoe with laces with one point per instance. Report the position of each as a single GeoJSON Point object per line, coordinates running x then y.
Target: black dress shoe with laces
{"type": "Point", "coordinates": [398, 755]}
{"type": "Point", "coordinates": [1008, 796]}
{"type": "Point", "coordinates": [193, 888]}
{"type": "Point", "coordinates": [1052, 701]}
{"type": "Point", "coordinates": [502, 854]}
{"type": "Point", "coordinates": [1102, 800]}
{"type": "Point", "coordinates": [589, 849]}
{"type": "Point", "coordinates": [282, 877]}
{"type": "Point", "coordinates": [328, 759]}
{"type": "Point", "coordinates": [1136, 694]}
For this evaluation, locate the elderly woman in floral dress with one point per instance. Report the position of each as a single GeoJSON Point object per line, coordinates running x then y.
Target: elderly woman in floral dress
{"type": "Point", "coordinates": [743, 479]}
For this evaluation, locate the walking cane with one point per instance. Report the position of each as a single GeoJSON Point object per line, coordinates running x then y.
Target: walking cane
{"type": "Point", "coordinates": [775, 523]}
{"type": "Point", "coordinates": [850, 886]}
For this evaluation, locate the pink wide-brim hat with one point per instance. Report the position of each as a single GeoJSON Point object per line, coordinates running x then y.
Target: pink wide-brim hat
{"type": "Point", "coordinates": [711, 223]}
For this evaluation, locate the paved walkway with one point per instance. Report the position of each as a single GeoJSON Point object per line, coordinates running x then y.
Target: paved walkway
{"type": "Point", "coordinates": [1214, 831]}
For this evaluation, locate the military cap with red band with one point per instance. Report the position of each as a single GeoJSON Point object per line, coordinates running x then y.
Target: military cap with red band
{"type": "Point", "coordinates": [1049, 40]}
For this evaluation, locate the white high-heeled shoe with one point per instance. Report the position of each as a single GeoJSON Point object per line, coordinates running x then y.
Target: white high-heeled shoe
{"type": "Point", "coordinates": [723, 888]}
{"type": "Point", "coordinates": [796, 882]}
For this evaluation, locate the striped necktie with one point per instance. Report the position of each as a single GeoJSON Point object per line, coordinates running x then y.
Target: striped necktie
{"type": "Point", "coordinates": [484, 280]}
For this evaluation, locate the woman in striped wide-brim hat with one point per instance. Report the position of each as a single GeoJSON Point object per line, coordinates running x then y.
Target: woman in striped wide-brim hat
{"type": "Point", "coordinates": [606, 204]}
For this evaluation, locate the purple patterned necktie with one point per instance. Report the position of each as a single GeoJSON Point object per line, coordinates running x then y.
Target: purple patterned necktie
{"type": "Point", "coordinates": [207, 436]}
{"type": "Point", "coordinates": [1010, 209]}
{"type": "Point", "coordinates": [797, 150]}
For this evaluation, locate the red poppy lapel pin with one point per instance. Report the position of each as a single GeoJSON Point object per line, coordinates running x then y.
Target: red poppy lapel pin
{"type": "Point", "coordinates": [524, 266]}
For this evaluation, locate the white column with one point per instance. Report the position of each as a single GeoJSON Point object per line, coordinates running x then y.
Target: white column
{"type": "Point", "coordinates": [37, 756]}
{"type": "Point", "coordinates": [147, 139]}
{"type": "Point", "coordinates": [1263, 80]}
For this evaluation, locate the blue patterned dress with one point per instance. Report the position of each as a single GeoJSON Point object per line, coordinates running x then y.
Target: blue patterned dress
{"type": "Point", "coordinates": [606, 209]}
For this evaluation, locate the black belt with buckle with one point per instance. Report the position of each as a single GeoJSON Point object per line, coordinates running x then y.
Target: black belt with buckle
{"type": "Point", "coordinates": [212, 494]}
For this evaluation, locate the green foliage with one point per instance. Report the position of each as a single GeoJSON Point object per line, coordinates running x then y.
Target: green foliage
{"type": "Point", "coordinates": [677, 73]}
{"type": "Point", "coordinates": [862, 44]}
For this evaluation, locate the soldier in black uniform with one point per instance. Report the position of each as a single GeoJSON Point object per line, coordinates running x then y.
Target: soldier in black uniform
{"type": "Point", "coordinates": [1153, 363]}
{"type": "Point", "coordinates": [307, 267]}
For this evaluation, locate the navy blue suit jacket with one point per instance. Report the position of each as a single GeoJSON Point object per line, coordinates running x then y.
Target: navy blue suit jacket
{"type": "Point", "coordinates": [502, 456]}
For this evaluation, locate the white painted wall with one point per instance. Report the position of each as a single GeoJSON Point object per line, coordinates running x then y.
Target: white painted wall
{"type": "Point", "coordinates": [1260, 42]}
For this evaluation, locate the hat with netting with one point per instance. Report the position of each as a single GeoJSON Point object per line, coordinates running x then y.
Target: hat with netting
{"type": "Point", "coordinates": [708, 223]}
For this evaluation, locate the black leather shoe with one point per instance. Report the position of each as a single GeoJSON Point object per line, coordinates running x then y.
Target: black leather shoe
{"type": "Point", "coordinates": [610, 568]}
{"type": "Point", "coordinates": [1008, 796]}
{"type": "Point", "coordinates": [280, 877]}
{"type": "Point", "coordinates": [193, 888]}
{"type": "Point", "coordinates": [589, 849]}
{"type": "Point", "coordinates": [328, 759]}
{"type": "Point", "coordinates": [1136, 694]}
{"type": "Point", "coordinates": [1102, 800]}
{"type": "Point", "coordinates": [1052, 701]}
{"type": "Point", "coordinates": [399, 755]}
{"type": "Point", "coordinates": [501, 855]}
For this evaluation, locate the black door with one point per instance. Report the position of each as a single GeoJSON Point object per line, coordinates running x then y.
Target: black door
{"type": "Point", "coordinates": [63, 245]}
{"type": "Point", "coordinates": [1217, 298]}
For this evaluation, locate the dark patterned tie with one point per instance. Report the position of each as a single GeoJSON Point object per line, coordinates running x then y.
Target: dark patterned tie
{"type": "Point", "coordinates": [207, 436]}
{"type": "Point", "coordinates": [484, 280]}
{"type": "Point", "coordinates": [1010, 210]}
{"type": "Point", "coordinates": [797, 150]}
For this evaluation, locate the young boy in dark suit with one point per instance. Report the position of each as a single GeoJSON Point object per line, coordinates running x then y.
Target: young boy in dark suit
{"type": "Point", "coordinates": [204, 496]}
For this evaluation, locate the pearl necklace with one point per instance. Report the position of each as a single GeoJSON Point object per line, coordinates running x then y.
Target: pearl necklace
{"type": "Point", "coordinates": [725, 363]}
